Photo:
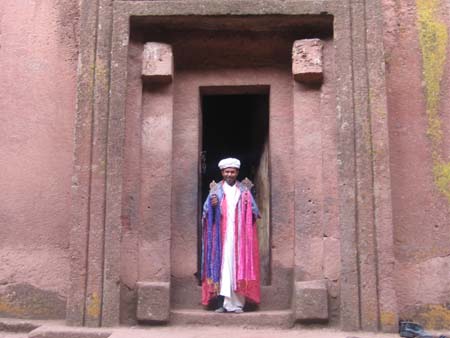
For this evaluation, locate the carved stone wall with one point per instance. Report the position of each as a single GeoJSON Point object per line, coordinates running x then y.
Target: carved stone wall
{"type": "Point", "coordinates": [361, 188]}
{"type": "Point", "coordinates": [345, 153]}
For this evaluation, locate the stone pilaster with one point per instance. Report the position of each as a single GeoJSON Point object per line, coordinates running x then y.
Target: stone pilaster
{"type": "Point", "coordinates": [155, 183]}
{"type": "Point", "coordinates": [310, 295]}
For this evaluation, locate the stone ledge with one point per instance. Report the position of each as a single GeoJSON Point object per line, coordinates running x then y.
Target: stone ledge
{"type": "Point", "coordinates": [254, 319]}
{"type": "Point", "coordinates": [69, 332]}
{"type": "Point", "coordinates": [15, 325]}
{"type": "Point", "coordinates": [18, 325]}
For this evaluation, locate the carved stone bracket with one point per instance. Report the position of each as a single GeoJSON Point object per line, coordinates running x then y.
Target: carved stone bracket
{"type": "Point", "coordinates": [307, 61]}
{"type": "Point", "coordinates": [157, 62]}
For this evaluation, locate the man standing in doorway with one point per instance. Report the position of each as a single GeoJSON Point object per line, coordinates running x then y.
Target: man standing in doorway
{"type": "Point", "coordinates": [230, 259]}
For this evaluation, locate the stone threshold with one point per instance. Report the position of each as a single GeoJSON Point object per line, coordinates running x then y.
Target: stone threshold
{"type": "Point", "coordinates": [282, 319]}
{"type": "Point", "coordinates": [254, 319]}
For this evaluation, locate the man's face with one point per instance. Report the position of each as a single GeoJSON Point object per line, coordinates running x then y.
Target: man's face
{"type": "Point", "coordinates": [230, 175]}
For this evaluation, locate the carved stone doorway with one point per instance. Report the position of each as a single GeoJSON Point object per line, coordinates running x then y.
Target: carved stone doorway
{"type": "Point", "coordinates": [134, 227]}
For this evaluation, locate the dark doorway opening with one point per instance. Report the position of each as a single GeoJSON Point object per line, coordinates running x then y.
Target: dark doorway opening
{"type": "Point", "coordinates": [237, 125]}
{"type": "Point", "coordinates": [233, 126]}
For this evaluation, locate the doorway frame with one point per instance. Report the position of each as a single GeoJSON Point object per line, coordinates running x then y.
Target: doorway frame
{"type": "Point", "coordinates": [185, 184]}
{"type": "Point", "coordinates": [235, 90]}
{"type": "Point", "coordinates": [99, 138]}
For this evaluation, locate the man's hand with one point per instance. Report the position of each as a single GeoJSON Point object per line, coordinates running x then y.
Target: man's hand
{"type": "Point", "coordinates": [214, 200]}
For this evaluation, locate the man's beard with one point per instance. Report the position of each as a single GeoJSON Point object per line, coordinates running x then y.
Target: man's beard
{"type": "Point", "coordinates": [230, 181]}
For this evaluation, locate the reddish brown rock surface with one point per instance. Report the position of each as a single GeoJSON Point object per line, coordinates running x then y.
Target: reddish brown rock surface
{"type": "Point", "coordinates": [38, 61]}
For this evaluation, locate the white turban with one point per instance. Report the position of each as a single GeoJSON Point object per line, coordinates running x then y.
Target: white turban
{"type": "Point", "coordinates": [229, 163]}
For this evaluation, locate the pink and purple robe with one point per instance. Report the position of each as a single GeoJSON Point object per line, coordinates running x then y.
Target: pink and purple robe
{"type": "Point", "coordinates": [246, 262]}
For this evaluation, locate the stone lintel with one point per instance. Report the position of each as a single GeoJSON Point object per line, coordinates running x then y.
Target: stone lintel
{"type": "Point", "coordinates": [307, 61]}
{"type": "Point", "coordinates": [153, 301]}
{"type": "Point", "coordinates": [311, 301]}
{"type": "Point", "coordinates": [229, 7]}
{"type": "Point", "coordinates": [157, 62]}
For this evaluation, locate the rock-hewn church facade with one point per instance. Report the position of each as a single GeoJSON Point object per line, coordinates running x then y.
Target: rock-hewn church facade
{"type": "Point", "coordinates": [116, 112]}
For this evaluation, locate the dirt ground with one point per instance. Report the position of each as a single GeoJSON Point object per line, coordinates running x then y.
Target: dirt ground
{"type": "Point", "coordinates": [227, 332]}
{"type": "Point", "coordinates": [207, 332]}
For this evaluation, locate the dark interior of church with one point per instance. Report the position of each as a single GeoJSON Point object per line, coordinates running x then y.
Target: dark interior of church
{"type": "Point", "coordinates": [233, 126]}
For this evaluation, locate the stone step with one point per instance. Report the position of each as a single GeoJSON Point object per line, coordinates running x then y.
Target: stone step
{"type": "Point", "coordinates": [51, 331]}
{"type": "Point", "coordinates": [277, 319]}
{"type": "Point", "coordinates": [7, 334]}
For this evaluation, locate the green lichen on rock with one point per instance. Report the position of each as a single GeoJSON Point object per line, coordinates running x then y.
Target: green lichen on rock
{"type": "Point", "coordinates": [433, 37]}
{"type": "Point", "coordinates": [442, 178]}
{"type": "Point", "coordinates": [434, 316]}
{"type": "Point", "coordinates": [433, 41]}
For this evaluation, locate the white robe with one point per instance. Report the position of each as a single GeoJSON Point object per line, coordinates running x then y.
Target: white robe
{"type": "Point", "coordinates": [232, 301]}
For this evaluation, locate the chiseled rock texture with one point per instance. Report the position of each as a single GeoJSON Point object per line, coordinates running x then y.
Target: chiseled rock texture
{"type": "Point", "coordinates": [38, 62]}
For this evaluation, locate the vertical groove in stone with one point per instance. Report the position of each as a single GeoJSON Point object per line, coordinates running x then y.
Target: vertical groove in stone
{"type": "Point", "coordinates": [388, 310]}
{"type": "Point", "coordinates": [330, 215]}
{"type": "Point", "coordinates": [375, 320]}
{"type": "Point", "coordinates": [81, 181]}
{"type": "Point", "coordinates": [94, 294]}
{"type": "Point", "coordinates": [364, 176]}
{"type": "Point", "coordinates": [349, 297]}
{"type": "Point", "coordinates": [131, 187]}
{"type": "Point", "coordinates": [114, 152]}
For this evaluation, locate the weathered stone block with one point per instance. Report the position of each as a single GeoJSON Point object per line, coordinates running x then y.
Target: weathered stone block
{"type": "Point", "coordinates": [311, 301]}
{"type": "Point", "coordinates": [157, 62]}
{"type": "Point", "coordinates": [153, 301]}
{"type": "Point", "coordinates": [307, 61]}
